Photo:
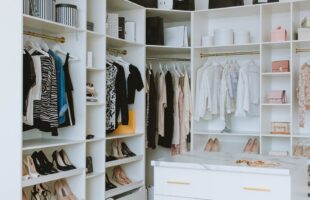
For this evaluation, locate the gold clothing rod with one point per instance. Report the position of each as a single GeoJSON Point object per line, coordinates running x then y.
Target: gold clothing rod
{"type": "Point", "coordinates": [302, 50]}
{"type": "Point", "coordinates": [117, 51]}
{"type": "Point", "coordinates": [44, 36]}
{"type": "Point", "coordinates": [167, 59]}
{"type": "Point", "coordinates": [237, 53]}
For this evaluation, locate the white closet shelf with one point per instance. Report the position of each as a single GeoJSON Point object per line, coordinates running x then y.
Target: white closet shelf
{"type": "Point", "coordinates": [95, 69]}
{"type": "Point", "coordinates": [122, 5]}
{"type": "Point", "coordinates": [96, 139]}
{"type": "Point", "coordinates": [94, 174]}
{"type": "Point", "coordinates": [52, 177]}
{"type": "Point", "coordinates": [166, 50]}
{"type": "Point", "coordinates": [94, 34]}
{"type": "Point", "coordinates": [275, 104]}
{"type": "Point", "coordinates": [301, 135]}
{"type": "Point", "coordinates": [233, 47]}
{"type": "Point", "coordinates": [118, 43]}
{"type": "Point", "coordinates": [43, 143]}
{"type": "Point", "coordinates": [118, 136]}
{"type": "Point", "coordinates": [123, 161]}
{"type": "Point", "coordinates": [232, 134]}
{"type": "Point", "coordinates": [276, 74]}
{"type": "Point", "coordinates": [47, 26]}
{"type": "Point", "coordinates": [169, 15]}
{"type": "Point", "coordinates": [123, 189]}
{"type": "Point", "coordinates": [95, 104]}
{"type": "Point", "coordinates": [276, 135]}
{"type": "Point", "coordinates": [280, 44]}
{"type": "Point", "coordinates": [225, 9]}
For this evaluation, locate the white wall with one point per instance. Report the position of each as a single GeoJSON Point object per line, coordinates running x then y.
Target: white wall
{"type": "Point", "coordinates": [10, 99]}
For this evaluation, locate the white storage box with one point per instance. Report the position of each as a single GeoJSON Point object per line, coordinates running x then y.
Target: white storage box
{"type": "Point", "coordinates": [165, 4]}
{"type": "Point", "coordinates": [112, 24]}
{"type": "Point", "coordinates": [241, 37]}
{"type": "Point", "coordinates": [303, 33]}
{"type": "Point", "coordinates": [130, 31]}
{"type": "Point", "coordinates": [207, 41]}
{"type": "Point", "coordinates": [176, 36]}
{"type": "Point", "coordinates": [305, 23]}
{"type": "Point", "coordinates": [223, 37]}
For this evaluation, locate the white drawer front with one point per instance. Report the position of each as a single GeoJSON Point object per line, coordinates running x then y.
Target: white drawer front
{"type": "Point", "coordinates": [159, 197]}
{"type": "Point", "coordinates": [252, 186]}
{"type": "Point", "coordinates": [185, 183]}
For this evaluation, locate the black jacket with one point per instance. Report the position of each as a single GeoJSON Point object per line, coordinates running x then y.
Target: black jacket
{"type": "Point", "coordinates": [134, 82]}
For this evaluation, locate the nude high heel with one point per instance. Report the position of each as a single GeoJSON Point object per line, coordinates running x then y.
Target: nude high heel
{"type": "Point", "coordinates": [124, 176]}
{"type": "Point", "coordinates": [68, 190]}
{"type": "Point", "coordinates": [117, 176]}
{"type": "Point", "coordinates": [26, 176]}
{"type": "Point", "coordinates": [24, 195]}
{"type": "Point", "coordinates": [255, 147]}
{"type": "Point", "coordinates": [31, 167]}
{"type": "Point", "coordinates": [63, 191]}
{"type": "Point", "coordinates": [216, 145]}
{"type": "Point", "coordinates": [209, 145]}
{"type": "Point", "coordinates": [248, 146]}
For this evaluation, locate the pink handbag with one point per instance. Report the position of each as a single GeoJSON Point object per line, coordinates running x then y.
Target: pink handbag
{"type": "Point", "coordinates": [279, 34]}
{"type": "Point", "coordinates": [280, 66]}
{"type": "Point", "coordinates": [277, 97]}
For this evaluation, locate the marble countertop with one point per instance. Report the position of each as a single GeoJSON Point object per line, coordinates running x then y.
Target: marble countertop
{"type": "Point", "coordinates": [227, 162]}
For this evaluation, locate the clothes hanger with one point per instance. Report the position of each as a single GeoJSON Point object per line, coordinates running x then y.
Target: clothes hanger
{"type": "Point", "coordinates": [161, 69]}
{"type": "Point", "coordinates": [44, 46]}
{"type": "Point", "coordinates": [166, 67]}
{"type": "Point", "coordinates": [176, 71]}
{"type": "Point", "coordinates": [58, 49]}
{"type": "Point", "coordinates": [180, 71]}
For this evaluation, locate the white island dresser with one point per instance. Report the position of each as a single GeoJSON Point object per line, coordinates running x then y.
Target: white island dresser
{"type": "Point", "coordinates": [219, 177]}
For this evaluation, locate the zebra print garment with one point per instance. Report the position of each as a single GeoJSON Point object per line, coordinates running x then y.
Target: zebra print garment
{"type": "Point", "coordinates": [46, 109]}
{"type": "Point", "coordinates": [111, 98]}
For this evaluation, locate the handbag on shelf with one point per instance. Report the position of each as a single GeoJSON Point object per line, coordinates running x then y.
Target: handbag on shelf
{"type": "Point", "coordinates": [280, 66]}
{"type": "Point", "coordinates": [277, 97]}
{"type": "Point", "coordinates": [89, 165]}
{"type": "Point", "coordinates": [225, 3]}
{"type": "Point", "coordinates": [130, 128]}
{"type": "Point", "coordinates": [184, 4]}
{"type": "Point", "coordinates": [280, 128]}
{"type": "Point", "coordinates": [154, 31]}
{"type": "Point", "coordinates": [146, 3]}
{"type": "Point", "coordinates": [279, 34]}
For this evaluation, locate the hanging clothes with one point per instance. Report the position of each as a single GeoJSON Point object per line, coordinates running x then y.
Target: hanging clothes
{"type": "Point", "coordinates": [62, 101]}
{"type": "Point", "coordinates": [166, 140]}
{"type": "Point", "coordinates": [176, 91]}
{"type": "Point", "coordinates": [134, 82]}
{"type": "Point", "coordinates": [303, 93]}
{"type": "Point", "coordinates": [162, 102]}
{"type": "Point", "coordinates": [29, 79]}
{"type": "Point", "coordinates": [151, 113]}
{"type": "Point", "coordinates": [111, 98]}
{"type": "Point", "coordinates": [69, 113]}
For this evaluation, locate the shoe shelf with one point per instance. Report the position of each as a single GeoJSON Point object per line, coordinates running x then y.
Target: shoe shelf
{"type": "Point", "coordinates": [231, 134]}
{"type": "Point", "coordinates": [123, 161]}
{"type": "Point", "coordinates": [276, 135]}
{"type": "Point", "coordinates": [114, 42]}
{"type": "Point", "coordinates": [95, 104]}
{"type": "Point", "coordinates": [94, 174]}
{"type": "Point", "coordinates": [32, 144]}
{"type": "Point", "coordinates": [112, 136]}
{"type": "Point", "coordinates": [52, 177]}
{"type": "Point", "coordinates": [96, 139]}
{"type": "Point", "coordinates": [123, 189]}
{"type": "Point", "coordinates": [94, 34]}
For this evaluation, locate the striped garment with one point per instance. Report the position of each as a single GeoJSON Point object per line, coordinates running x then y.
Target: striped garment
{"type": "Point", "coordinates": [46, 109]}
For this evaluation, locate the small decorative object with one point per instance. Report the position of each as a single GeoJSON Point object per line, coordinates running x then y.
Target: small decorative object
{"type": "Point", "coordinates": [277, 97]}
{"type": "Point", "coordinates": [89, 165]}
{"type": "Point", "coordinates": [90, 26]}
{"type": "Point", "coordinates": [305, 23]}
{"type": "Point", "coordinates": [279, 34]}
{"type": "Point", "coordinates": [90, 136]}
{"type": "Point", "coordinates": [241, 37]}
{"type": "Point", "coordinates": [121, 27]}
{"type": "Point", "coordinates": [130, 128]}
{"type": "Point", "coordinates": [165, 4]}
{"type": "Point", "coordinates": [280, 128]}
{"type": "Point", "coordinates": [207, 41]}
{"type": "Point", "coordinates": [280, 66]}
{"type": "Point", "coordinates": [91, 94]}
{"type": "Point", "coordinates": [303, 33]}
{"type": "Point", "coordinates": [130, 31]}
{"type": "Point", "coordinates": [67, 14]}
{"type": "Point", "coordinates": [223, 36]}
{"type": "Point", "coordinates": [89, 59]}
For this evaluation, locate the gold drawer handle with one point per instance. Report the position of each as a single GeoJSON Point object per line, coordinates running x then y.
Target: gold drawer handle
{"type": "Point", "coordinates": [178, 183]}
{"type": "Point", "coordinates": [256, 189]}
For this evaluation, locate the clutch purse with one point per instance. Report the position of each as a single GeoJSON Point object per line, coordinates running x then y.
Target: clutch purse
{"type": "Point", "coordinates": [280, 66]}
{"type": "Point", "coordinates": [277, 97]}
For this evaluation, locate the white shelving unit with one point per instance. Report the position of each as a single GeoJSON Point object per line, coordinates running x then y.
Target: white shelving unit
{"type": "Point", "coordinates": [90, 117]}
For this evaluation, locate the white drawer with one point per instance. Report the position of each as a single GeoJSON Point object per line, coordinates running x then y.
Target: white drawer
{"type": "Point", "coordinates": [185, 183]}
{"type": "Point", "coordinates": [244, 186]}
{"type": "Point", "coordinates": [159, 197]}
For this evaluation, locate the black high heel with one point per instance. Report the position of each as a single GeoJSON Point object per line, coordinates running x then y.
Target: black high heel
{"type": "Point", "coordinates": [126, 151]}
{"type": "Point", "coordinates": [38, 164]}
{"type": "Point", "coordinates": [60, 164]}
{"type": "Point", "coordinates": [35, 194]}
{"type": "Point", "coordinates": [108, 184]}
{"type": "Point", "coordinates": [66, 159]}
{"type": "Point", "coordinates": [46, 163]}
